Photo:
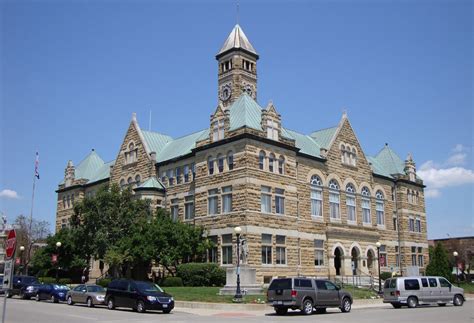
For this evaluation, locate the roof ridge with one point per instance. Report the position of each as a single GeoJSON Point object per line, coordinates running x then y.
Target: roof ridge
{"type": "Point", "coordinates": [324, 129]}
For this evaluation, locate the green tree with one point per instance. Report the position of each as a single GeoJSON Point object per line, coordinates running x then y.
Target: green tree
{"type": "Point", "coordinates": [439, 262]}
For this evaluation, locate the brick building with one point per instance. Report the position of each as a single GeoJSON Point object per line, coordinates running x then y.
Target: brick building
{"type": "Point", "coordinates": [309, 204]}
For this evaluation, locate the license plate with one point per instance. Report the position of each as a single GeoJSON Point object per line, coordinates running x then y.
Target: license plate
{"type": "Point", "coordinates": [165, 305]}
{"type": "Point", "coordinates": [277, 302]}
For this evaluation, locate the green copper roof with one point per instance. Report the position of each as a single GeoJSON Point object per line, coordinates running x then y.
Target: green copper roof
{"type": "Point", "coordinates": [88, 167]}
{"type": "Point", "coordinates": [305, 143]}
{"type": "Point", "coordinates": [102, 173]}
{"type": "Point", "coordinates": [390, 161]}
{"type": "Point", "coordinates": [151, 183]}
{"type": "Point", "coordinates": [323, 137]}
{"type": "Point", "coordinates": [245, 112]}
{"type": "Point", "coordinates": [156, 141]}
{"type": "Point", "coordinates": [180, 146]}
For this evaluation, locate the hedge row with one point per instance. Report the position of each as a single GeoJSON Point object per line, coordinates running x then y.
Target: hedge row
{"type": "Point", "coordinates": [201, 274]}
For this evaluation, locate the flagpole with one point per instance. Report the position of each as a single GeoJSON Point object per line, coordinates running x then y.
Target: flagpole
{"type": "Point", "coordinates": [31, 215]}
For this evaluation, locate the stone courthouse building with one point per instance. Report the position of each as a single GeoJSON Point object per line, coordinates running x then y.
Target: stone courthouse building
{"type": "Point", "coordinates": [308, 204]}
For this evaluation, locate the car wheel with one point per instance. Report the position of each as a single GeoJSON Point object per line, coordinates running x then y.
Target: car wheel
{"type": "Point", "coordinates": [412, 302]}
{"type": "Point", "coordinates": [89, 302]}
{"type": "Point", "coordinates": [69, 301]}
{"type": "Point", "coordinates": [346, 305]}
{"type": "Point", "coordinates": [54, 299]}
{"type": "Point", "coordinates": [307, 307]}
{"type": "Point", "coordinates": [141, 307]}
{"type": "Point", "coordinates": [167, 311]}
{"type": "Point", "coordinates": [396, 305]}
{"type": "Point", "coordinates": [321, 310]}
{"type": "Point", "coordinates": [281, 310]}
{"type": "Point", "coordinates": [458, 300]}
{"type": "Point", "coordinates": [110, 304]}
{"type": "Point", "coordinates": [9, 294]}
{"type": "Point", "coordinates": [37, 297]}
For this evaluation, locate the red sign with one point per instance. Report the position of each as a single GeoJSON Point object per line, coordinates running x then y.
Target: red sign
{"type": "Point", "coordinates": [17, 261]}
{"type": "Point", "coordinates": [10, 245]}
{"type": "Point", "coordinates": [54, 258]}
{"type": "Point", "coordinates": [382, 261]}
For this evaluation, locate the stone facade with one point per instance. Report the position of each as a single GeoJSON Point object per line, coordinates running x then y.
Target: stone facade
{"type": "Point", "coordinates": [311, 205]}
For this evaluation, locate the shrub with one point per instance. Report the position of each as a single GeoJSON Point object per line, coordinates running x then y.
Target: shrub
{"type": "Point", "coordinates": [65, 281]}
{"type": "Point", "coordinates": [201, 274]}
{"type": "Point", "coordinates": [172, 282]}
{"type": "Point", "coordinates": [104, 282]}
{"type": "Point", "coordinates": [385, 275]}
{"type": "Point", "coordinates": [47, 280]}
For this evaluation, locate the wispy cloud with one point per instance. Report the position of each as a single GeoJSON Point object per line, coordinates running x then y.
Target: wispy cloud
{"type": "Point", "coordinates": [9, 194]}
{"type": "Point", "coordinates": [448, 174]}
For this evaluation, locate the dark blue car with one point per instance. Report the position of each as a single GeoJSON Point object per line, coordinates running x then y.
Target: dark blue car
{"type": "Point", "coordinates": [53, 292]}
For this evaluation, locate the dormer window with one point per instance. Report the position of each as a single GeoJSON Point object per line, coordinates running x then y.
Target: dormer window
{"type": "Point", "coordinates": [272, 129]}
{"type": "Point", "coordinates": [348, 155]}
{"type": "Point", "coordinates": [131, 154]}
{"type": "Point", "coordinates": [218, 130]}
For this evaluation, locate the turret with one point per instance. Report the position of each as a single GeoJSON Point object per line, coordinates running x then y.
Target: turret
{"type": "Point", "coordinates": [69, 173]}
{"type": "Point", "coordinates": [410, 168]}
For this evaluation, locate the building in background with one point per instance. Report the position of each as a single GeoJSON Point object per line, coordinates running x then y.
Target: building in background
{"type": "Point", "coordinates": [308, 204]}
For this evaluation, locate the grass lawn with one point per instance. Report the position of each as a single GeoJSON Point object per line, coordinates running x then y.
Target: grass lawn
{"type": "Point", "coordinates": [211, 294]}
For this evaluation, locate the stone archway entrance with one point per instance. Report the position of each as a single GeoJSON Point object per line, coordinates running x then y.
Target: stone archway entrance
{"type": "Point", "coordinates": [338, 255]}
{"type": "Point", "coordinates": [370, 260]}
{"type": "Point", "coordinates": [355, 256]}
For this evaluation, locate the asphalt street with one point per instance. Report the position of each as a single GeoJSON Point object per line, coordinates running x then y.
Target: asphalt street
{"type": "Point", "coordinates": [21, 311]}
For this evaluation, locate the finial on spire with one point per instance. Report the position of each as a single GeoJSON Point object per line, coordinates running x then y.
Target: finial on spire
{"type": "Point", "coordinates": [344, 113]}
{"type": "Point", "coordinates": [238, 11]}
{"type": "Point", "coordinates": [409, 157]}
{"type": "Point", "coordinates": [134, 116]}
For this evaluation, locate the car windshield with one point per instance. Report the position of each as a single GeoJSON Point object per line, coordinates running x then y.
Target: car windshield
{"type": "Point", "coordinates": [60, 287]}
{"type": "Point", "coordinates": [95, 289]}
{"type": "Point", "coordinates": [148, 287]}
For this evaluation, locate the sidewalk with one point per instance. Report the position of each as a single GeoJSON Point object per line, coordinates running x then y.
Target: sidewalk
{"type": "Point", "coordinates": [222, 309]}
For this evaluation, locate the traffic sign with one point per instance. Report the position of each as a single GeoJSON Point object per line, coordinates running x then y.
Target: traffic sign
{"type": "Point", "coordinates": [8, 275]}
{"type": "Point", "coordinates": [10, 245]}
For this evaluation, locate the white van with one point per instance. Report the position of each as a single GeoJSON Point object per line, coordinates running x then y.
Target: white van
{"type": "Point", "coordinates": [413, 291]}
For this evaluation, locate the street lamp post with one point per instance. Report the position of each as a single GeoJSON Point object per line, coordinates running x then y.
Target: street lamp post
{"type": "Point", "coordinates": [455, 254]}
{"type": "Point", "coordinates": [58, 245]}
{"type": "Point", "coordinates": [22, 248]}
{"type": "Point", "coordinates": [238, 292]}
{"type": "Point", "coordinates": [378, 244]}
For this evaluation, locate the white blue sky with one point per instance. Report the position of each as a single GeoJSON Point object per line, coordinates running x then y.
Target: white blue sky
{"type": "Point", "coordinates": [72, 72]}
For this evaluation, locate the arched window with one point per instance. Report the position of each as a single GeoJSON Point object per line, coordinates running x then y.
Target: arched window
{"type": "Point", "coordinates": [68, 201]}
{"type": "Point", "coordinates": [343, 149]}
{"type": "Point", "coordinates": [210, 165]}
{"type": "Point", "coordinates": [131, 155]}
{"type": "Point", "coordinates": [261, 160]}
{"type": "Point", "coordinates": [354, 157]}
{"type": "Point", "coordinates": [379, 208]}
{"type": "Point", "coordinates": [138, 180]}
{"type": "Point", "coordinates": [220, 163]}
{"type": "Point", "coordinates": [281, 165]}
{"type": "Point", "coordinates": [271, 162]}
{"type": "Point", "coordinates": [129, 181]}
{"type": "Point", "coordinates": [351, 202]}
{"type": "Point", "coordinates": [366, 205]}
{"type": "Point", "coordinates": [230, 160]}
{"type": "Point", "coordinates": [64, 202]}
{"type": "Point", "coordinates": [334, 199]}
{"type": "Point", "coordinates": [316, 196]}
{"type": "Point", "coordinates": [122, 183]}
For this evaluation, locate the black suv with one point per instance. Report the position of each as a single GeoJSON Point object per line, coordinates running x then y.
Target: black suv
{"type": "Point", "coordinates": [138, 295]}
{"type": "Point", "coordinates": [19, 285]}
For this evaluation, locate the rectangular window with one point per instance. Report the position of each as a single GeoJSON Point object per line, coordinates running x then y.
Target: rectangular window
{"type": "Point", "coordinates": [174, 209]}
{"type": "Point", "coordinates": [394, 223]}
{"type": "Point", "coordinates": [383, 255]}
{"type": "Point", "coordinates": [212, 201]}
{"type": "Point", "coordinates": [420, 260]}
{"type": "Point", "coordinates": [227, 249]}
{"type": "Point", "coordinates": [220, 163]}
{"type": "Point", "coordinates": [280, 250]}
{"type": "Point", "coordinates": [221, 129]}
{"type": "Point", "coordinates": [178, 175]}
{"type": "Point", "coordinates": [413, 256]}
{"type": "Point", "coordinates": [366, 211]}
{"type": "Point", "coordinates": [210, 165]}
{"type": "Point", "coordinates": [433, 282]}
{"type": "Point", "coordinates": [272, 130]}
{"type": "Point", "coordinates": [412, 284]}
{"type": "Point", "coordinates": [189, 207]}
{"type": "Point", "coordinates": [212, 251]}
{"type": "Point", "coordinates": [334, 205]}
{"type": "Point", "coordinates": [411, 224]}
{"type": "Point", "coordinates": [279, 201]}
{"type": "Point", "coordinates": [379, 209]}
{"type": "Point", "coordinates": [424, 282]}
{"type": "Point", "coordinates": [186, 173]}
{"type": "Point", "coordinates": [316, 202]}
{"type": "Point", "coordinates": [230, 161]}
{"type": "Point", "coordinates": [418, 225]}
{"type": "Point", "coordinates": [266, 200]}
{"type": "Point", "coordinates": [351, 208]}
{"type": "Point", "coordinates": [215, 131]}
{"type": "Point", "coordinates": [227, 199]}
{"type": "Point", "coordinates": [319, 252]}
{"type": "Point", "coordinates": [266, 249]}
{"type": "Point", "coordinates": [170, 175]}
{"type": "Point", "coordinates": [193, 169]}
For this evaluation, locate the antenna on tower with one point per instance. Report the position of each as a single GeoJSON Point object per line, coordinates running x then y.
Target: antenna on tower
{"type": "Point", "coordinates": [149, 122]}
{"type": "Point", "coordinates": [238, 13]}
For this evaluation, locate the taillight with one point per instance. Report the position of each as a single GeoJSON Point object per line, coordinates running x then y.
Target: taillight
{"type": "Point", "coordinates": [293, 293]}
{"type": "Point", "coordinates": [397, 293]}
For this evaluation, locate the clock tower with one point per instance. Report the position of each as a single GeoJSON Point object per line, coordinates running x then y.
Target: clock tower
{"type": "Point", "coordinates": [237, 68]}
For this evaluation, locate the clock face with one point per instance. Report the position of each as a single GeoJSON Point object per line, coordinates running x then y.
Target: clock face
{"type": "Point", "coordinates": [225, 93]}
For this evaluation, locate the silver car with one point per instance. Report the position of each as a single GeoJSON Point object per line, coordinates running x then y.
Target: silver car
{"type": "Point", "coordinates": [88, 294]}
{"type": "Point", "coordinates": [413, 291]}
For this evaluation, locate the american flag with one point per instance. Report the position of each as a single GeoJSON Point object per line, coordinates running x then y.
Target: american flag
{"type": "Point", "coordinates": [36, 166]}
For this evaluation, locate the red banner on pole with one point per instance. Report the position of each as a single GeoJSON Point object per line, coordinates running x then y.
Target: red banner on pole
{"type": "Point", "coordinates": [54, 258]}
{"type": "Point", "coordinates": [17, 261]}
